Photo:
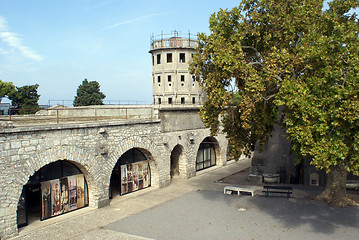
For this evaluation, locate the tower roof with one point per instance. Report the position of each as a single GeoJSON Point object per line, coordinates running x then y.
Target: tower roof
{"type": "Point", "coordinates": [173, 40]}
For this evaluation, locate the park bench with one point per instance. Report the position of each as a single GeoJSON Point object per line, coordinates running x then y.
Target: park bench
{"type": "Point", "coordinates": [238, 190]}
{"type": "Point", "coordinates": [277, 190]}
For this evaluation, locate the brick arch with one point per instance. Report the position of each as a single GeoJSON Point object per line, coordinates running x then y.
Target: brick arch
{"type": "Point", "coordinates": [145, 145]}
{"type": "Point", "coordinates": [77, 156]}
{"type": "Point", "coordinates": [217, 149]}
{"type": "Point", "coordinates": [178, 161]}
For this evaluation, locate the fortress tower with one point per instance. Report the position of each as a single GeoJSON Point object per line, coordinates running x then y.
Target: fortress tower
{"type": "Point", "coordinates": [172, 82]}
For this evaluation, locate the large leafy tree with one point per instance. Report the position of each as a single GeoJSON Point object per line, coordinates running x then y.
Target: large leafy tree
{"type": "Point", "coordinates": [6, 89]}
{"type": "Point", "coordinates": [88, 93]}
{"type": "Point", "coordinates": [25, 99]}
{"type": "Point", "coordinates": [267, 55]}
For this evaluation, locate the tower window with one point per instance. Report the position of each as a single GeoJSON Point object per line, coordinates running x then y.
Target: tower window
{"type": "Point", "coordinates": [169, 57]}
{"type": "Point", "coordinates": [169, 100]}
{"type": "Point", "coordinates": [158, 58]}
{"type": "Point", "coordinates": [193, 100]}
{"type": "Point", "coordinates": [153, 60]}
{"type": "Point", "coordinates": [182, 78]}
{"type": "Point", "coordinates": [159, 100]}
{"type": "Point", "coordinates": [182, 100]}
{"type": "Point", "coordinates": [193, 78]}
{"type": "Point", "coordinates": [169, 78]}
{"type": "Point", "coordinates": [159, 79]}
{"type": "Point", "coordinates": [182, 57]}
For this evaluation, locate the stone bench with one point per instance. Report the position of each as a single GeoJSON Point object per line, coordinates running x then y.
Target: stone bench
{"type": "Point", "coordinates": [238, 190]}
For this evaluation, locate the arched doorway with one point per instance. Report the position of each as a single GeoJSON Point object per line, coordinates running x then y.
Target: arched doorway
{"type": "Point", "coordinates": [176, 155]}
{"type": "Point", "coordinates": [131, 173]}
{"type": "Point", "coordinates": [55, 189]}
{"type": "Point", "coordinates": [206, 155]}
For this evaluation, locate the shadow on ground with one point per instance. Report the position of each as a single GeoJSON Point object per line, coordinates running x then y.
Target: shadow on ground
{"type": "Point", "coordinates": [213, 215]}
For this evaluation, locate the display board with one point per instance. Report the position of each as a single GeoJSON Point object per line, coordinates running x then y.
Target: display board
{"type": "Point", "coordinates": [62, 195]}
{"type": "Point", "coordinates": [134, 176]}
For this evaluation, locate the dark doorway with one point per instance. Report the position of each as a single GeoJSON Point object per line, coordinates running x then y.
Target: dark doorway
{"type": "Point", "coordinates": [131, 173]}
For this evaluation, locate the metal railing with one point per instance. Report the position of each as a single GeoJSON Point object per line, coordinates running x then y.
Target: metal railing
{"type": "Point", "coordinates": [174, 40]}
{"type": "Point", "coordinates": [69, 103]}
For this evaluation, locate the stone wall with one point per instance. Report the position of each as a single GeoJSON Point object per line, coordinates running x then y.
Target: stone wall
{"type": "Point", "coordinates": [94, 148]}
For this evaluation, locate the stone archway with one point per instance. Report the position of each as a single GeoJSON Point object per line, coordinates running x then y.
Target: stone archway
{"type": "Point", "coordinates": [176, 156]}
{"type": "Point", "coordinates": [207, 153]}
{"type": "Point", "coordinates": [132, 172]}
{"type": "Point", "coordinates": [56, 188]}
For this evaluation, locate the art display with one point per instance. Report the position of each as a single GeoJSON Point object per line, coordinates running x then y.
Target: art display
{"type": "Point", "coordinates": [62, 195]}
{"type": "Point", "coordinates": [134, 176]}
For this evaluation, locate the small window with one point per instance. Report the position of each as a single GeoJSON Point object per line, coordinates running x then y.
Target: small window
{"type": "Point", "coordinates": [159, 100]}
{"type": "Point", "coordinates": [169, 57]}
{"type": "Point", "coordinates": [182, 100]}
{"type": "Point", "coordinates": [169, 78]}
{"type": "Point", "coordinates": [182, 78]}
{"type": "Point", "coordinates": [159, 79]}
{"type": "Point", "coordinates": [193, 78]}
{"type": "Point", "coordinates": [182, 57]}
{"type": "Point", "coordinates": [158, 58]}
{"type": "Point", "coordinates": [170, 100]}
{"type": "Point", "coordinates": [153, 60]}
{"type": "Point", "coordinates": [193, 100]}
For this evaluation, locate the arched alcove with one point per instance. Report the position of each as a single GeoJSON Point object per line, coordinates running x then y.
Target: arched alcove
{"type": "Point", "coordinates": [132, 172]}
{"type": "Point", "coordinates": [176, 156]}
{"type": "Point", "coordinates": [54, 189]}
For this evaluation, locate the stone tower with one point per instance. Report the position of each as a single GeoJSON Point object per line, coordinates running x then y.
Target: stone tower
{"type": "Point", "coordinates": [172, 83]}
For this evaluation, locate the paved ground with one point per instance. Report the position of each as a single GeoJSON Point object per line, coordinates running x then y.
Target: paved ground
{"type": "Point", "coordinates": [197, 209]}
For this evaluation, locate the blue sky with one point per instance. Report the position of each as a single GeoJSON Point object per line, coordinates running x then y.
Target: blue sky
{"type": "Point", "coordinates": [57, 44]}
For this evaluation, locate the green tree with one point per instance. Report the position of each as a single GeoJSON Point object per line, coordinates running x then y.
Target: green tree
{"type": "Point", "coordinates": [6, 88]}
{"type": "Point", "coordinates": [25, 99]}
{"type": "Point", "coordinates": [293, 55]}
{"type": "Point", "coordinates": [88, 93]}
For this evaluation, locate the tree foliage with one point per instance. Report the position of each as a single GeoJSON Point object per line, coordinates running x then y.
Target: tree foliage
{"type": "Point", "coordinates": [88, 93]}
{"type": "Point", "coordinates": [25, 99]}
{"type": "Point", "coordinates": [6, 88]}
{"type": "Point", "coordinates": [289, 55]}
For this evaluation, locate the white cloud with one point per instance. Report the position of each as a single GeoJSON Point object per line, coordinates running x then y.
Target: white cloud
{"type": "Point", "coordinates": [14, 41]}
{"type": "Point", "coordinates": [132, 20]}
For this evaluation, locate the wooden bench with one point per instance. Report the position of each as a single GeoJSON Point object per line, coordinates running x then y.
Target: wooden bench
{"type": "Point", "coordinates": [277, 190]}
{"type": "Point", "coordinates": [238, 190]}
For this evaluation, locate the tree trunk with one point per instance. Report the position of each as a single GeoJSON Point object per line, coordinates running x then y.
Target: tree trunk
{"type": "Point", "coordinates": [335, 189]}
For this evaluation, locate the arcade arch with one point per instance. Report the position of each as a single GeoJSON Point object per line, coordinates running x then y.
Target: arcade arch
{"type": "Point", "coordinates": [177, 157]}
{"type": "Point", "coordinates": [207, 153]}
{"type": "Point", "coordinates": [54, 189]}
{"type": "Point", "coordinates": [132, 172]}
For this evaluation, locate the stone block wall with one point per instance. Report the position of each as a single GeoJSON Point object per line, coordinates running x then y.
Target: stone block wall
{"type": "Point", "coordinates": [95, 149]}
